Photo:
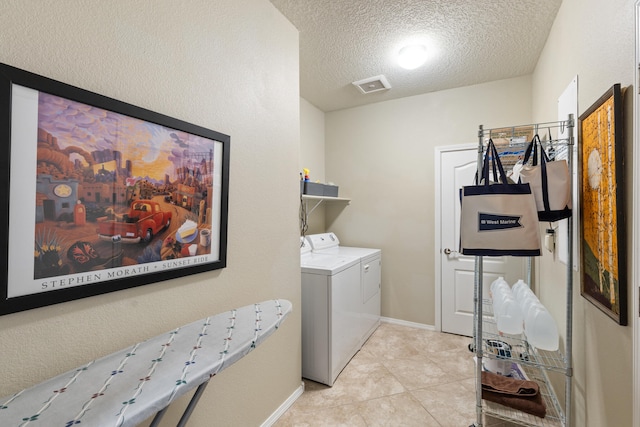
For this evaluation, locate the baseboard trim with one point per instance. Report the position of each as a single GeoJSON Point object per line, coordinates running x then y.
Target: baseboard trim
{"type": "Point", "coordinates": [283, 408]}
{"type": "Point", "coordinates": [406, 323]}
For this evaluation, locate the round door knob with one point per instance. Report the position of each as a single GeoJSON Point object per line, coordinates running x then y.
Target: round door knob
{"type": "Point", "coordinates": [447, 251]}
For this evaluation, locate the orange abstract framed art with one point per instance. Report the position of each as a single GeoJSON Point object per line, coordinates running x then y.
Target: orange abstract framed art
{"type": "Point", "coordinates": [603, 230]}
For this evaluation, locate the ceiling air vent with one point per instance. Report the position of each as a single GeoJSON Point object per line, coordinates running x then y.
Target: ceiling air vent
{"type": "Point", "coordinates": [372, 84]}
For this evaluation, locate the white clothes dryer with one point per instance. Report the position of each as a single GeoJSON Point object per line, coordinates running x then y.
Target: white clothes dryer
{"type": "Point", "coordinates": [331, 304]}
{"type": "Point", "coordinates": [370, 276]}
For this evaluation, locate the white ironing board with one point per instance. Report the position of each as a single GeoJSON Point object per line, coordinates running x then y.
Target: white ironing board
{"type": "Point", "coordinates": [129, 386]}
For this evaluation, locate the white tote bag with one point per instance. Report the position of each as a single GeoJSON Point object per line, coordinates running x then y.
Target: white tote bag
{"type": "Point", "coordinates": [498, 219]}
{"type": "Point", "coordinates": [549, 181]}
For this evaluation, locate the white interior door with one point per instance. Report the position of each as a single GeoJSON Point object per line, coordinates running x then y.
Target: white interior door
{"type": "Point", "coordinates": [457, 168]}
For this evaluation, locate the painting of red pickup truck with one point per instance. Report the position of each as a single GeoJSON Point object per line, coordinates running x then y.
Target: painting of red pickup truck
{"type": "Point", "coordinates": [142, 222]}
{"type": "Point", "coordinates": [104, 195]}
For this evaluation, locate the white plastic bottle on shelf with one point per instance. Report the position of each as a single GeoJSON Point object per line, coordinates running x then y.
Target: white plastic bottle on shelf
{"type": "Point", "coordinates": [496, 289]}
{"type": "Point", "coordinates": [539, 327]}
{"type": "Point", "coordinates": [510, 320]}
{"type": "Point", "coordinates": [519, 288]}
{"type": "Point", "coordinates": [506, 310]}
{"type": "Point", "coordinates": [526, 298]}
{"type": "Point", "coordinates": [523, 295]}
{"type": "Point", "coordinates": [498, 283]}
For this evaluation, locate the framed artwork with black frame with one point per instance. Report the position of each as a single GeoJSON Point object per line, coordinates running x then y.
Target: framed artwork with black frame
{"type": "Point", "coordinates": [602, 206]}
{"type": "Point", "coordinates": [99, 195]}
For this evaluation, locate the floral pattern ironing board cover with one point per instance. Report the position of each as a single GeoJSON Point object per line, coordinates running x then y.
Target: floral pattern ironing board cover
{"type": "Point", "coordinates": [129, 386]}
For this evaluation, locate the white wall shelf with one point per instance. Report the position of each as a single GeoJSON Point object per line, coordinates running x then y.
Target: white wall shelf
{"type": "Point", "coordinates": [319, 199]}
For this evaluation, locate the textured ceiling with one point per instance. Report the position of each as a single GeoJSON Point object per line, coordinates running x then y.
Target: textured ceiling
{"type": "Point", "coordinates": [470, 41]}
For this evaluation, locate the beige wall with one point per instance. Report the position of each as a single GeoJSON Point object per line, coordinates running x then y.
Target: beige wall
{"type": "Point", "coordinates": [381, 155]}
{"type": "Point", "coordinates": [227, 66]}
{"type": "Point", "coordinates": [312, 140]}
{"type": "Point", "coordinates": [594, 40]}
{"type": "Point", "coordinates": [312, 157]}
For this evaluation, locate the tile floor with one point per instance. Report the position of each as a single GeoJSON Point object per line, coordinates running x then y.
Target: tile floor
{"type": "Point", "coordinates": [402, 376]}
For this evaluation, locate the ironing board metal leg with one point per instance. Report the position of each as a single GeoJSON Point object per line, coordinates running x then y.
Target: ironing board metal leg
{"type": "Point", "coordinates": [192, 404]}
{"type": "Point", "coordinates": [158, 417]}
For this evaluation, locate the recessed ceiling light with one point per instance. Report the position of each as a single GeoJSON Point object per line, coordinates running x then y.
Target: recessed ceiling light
{"type": "Point", "coordinates": [413, 56]}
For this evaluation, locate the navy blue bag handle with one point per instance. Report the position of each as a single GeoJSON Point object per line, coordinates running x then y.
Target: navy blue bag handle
{"type": "Point", "coordinates": [498, 170]}
{"type": "Point", "coordinates": [533, 147]}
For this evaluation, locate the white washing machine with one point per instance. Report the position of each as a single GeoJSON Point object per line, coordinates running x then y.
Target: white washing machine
{"type": "Point", "coordinates": [331, 306]}
{"type": "Point", "coordinates": [370, 276]}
